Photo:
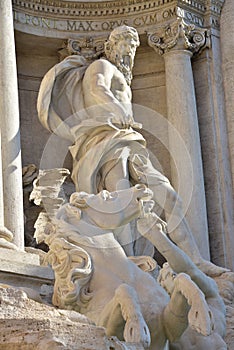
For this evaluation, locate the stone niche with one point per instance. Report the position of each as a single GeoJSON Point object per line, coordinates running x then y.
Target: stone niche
{"type": "Point", "coordinates": [41, 33]}
{"type": "Point", "coordinates": [42, 29]}
{"type": "Point", "coordinates": [36, 55]}
{"type": "Point", "coordinates": [40, 45]}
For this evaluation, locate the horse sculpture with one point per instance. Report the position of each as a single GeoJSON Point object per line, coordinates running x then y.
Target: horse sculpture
{"type": "Point", "coordinates": [94, 276]}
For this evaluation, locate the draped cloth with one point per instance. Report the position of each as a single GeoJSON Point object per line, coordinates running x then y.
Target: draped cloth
{"type": "Point", "coordinates": [97, 144]}
{"type": "Point", "coordinates": [60, 96]}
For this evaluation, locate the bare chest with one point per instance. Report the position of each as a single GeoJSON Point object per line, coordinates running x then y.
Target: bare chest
{"type": "Point", "coordinates": [120, 88]}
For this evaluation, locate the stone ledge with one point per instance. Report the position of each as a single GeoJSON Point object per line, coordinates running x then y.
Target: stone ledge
{"type": "Point", "coordinates": [22, 270]}
{"type": "Point", "coordinates": [16, 256]}
{"type": "Point", "coordinates": [27, 270]}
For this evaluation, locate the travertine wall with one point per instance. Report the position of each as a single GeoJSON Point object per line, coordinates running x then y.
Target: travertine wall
{"type": "Point", "coordinates": [149, 90]}
{"type": "Point", "coordinates": [34, 59]}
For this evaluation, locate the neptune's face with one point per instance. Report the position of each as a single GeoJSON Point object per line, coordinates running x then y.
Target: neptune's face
{"type": "Point", "coordinates": [122, 53]}
{"type": "Point", "coordinates": [126, 49]}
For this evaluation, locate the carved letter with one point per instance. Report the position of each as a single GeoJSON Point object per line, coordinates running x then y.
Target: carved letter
{"type": "Point", "coordinates": [71, 25]}
{"type": "Point", "coordinates": [89, 23]}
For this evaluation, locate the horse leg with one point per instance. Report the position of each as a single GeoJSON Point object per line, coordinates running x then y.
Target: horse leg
{"type": "Point", "coordinates": [122, 317]}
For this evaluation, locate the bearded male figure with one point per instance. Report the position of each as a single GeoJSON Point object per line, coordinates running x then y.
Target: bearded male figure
{"type": "Point", "coordinates": [108, 153]}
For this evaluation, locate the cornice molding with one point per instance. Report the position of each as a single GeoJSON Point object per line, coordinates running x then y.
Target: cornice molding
{"type": "Point", "coordinates": [89, 9]}
{"type": "Point", "coordinates": [57, 18]}
{"type": "Point", "coordinates": [198, 5]}
{"type": "Point", "coordinates": [213, 13]}
{"type": "Point", "coordinates": [216, 6]}
{"type": "Point", "coordinates": [62, 19]}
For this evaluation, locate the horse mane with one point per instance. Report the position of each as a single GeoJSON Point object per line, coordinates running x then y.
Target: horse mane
{"type": "Point", "coordinates": [72, 264]}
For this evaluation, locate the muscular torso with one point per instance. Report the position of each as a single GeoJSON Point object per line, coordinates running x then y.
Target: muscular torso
{"type": "Point", "coordinates": [104, 84]}
{"type": "Point", "coordinates": [119, 87]}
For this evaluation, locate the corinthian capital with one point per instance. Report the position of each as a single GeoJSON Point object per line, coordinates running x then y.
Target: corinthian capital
{"type": "Point", "coordinates": [178, 35]}
{"type": "Point", "coordinates": [88, 47]}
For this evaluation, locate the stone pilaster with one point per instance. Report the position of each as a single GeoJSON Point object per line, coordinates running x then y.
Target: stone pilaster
{"type": "Point", "coordinates": [10, 135]}
{"type": "Point", "coordinates": [1, 192]}
{"type": "Point", "coordinates": [227, 47]}
{"type": "Point", "coordinates": [226, 62]}
{"type": "Point", "coordinates": [177, 42]}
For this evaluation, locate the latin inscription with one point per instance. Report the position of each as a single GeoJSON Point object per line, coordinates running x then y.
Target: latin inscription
{"type": "Point", "coordinates": [78, 26]}
{"type": "Point", "coordinates": [90, 26]}
{"type": "Point", "coordinates": [34, 21]}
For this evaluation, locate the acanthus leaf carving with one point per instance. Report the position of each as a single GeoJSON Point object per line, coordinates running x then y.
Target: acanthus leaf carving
{"type": "Point", "coordinates": [88, 47]}
{"type": "Point", "coordinates": [178, 35]}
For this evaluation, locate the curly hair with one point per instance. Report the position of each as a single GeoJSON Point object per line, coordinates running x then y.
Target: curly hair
{"type": "Point", "coordinates": [122, 32]}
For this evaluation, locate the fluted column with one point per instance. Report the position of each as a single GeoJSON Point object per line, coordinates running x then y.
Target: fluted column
{"type": "Point", "coordinates": [177, 43]}
{"type": "Point", "coordinates": [10, 135]}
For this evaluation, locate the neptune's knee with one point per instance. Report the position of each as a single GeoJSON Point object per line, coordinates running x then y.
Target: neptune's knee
{"type": "Point", "coordinates": [173, 202]}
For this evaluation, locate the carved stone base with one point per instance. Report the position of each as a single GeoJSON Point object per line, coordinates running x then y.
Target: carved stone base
{"type": "Point", "coordinates": [23, 270]}
{"type": "Point", "coordinates": [27, 325]}
{"type": "Point", "coordinates": [226, 288]}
